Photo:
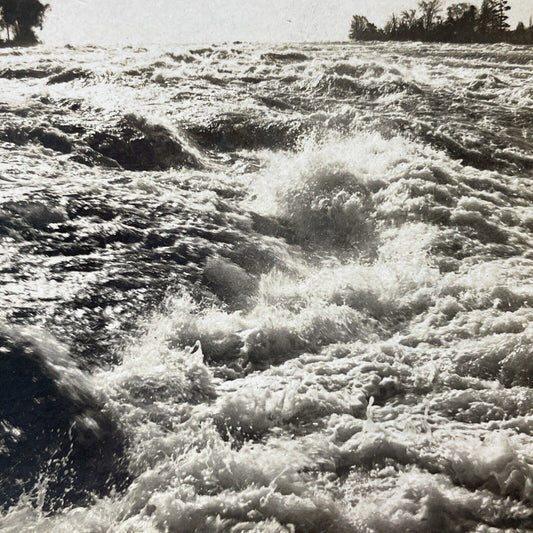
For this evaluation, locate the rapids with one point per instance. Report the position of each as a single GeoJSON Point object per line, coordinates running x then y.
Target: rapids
{"type": "Point", "coordinates": [275, 288]}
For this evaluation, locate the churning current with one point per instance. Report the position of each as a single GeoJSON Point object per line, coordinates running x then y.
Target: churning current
{"type": "Point", "coordinates": [266, 288]}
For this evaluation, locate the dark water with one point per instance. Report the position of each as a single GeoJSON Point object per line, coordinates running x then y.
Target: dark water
{"type": "Point", "coordinates": [266, 288]}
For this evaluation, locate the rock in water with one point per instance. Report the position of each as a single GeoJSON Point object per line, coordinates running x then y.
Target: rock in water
{"type": "Point", "coordinates": [137, 145]}
{"type": "Point", "coordinates": [52, 426]}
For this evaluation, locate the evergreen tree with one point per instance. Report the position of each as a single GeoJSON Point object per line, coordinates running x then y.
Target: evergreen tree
{"type": "Point", "coordinates": [487, 17]}
{"type": "Point", "coordinates": [500, 15]}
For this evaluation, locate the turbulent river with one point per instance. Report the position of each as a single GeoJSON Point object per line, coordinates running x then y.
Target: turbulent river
{"type": "Point", "coordinates": [266, 288]}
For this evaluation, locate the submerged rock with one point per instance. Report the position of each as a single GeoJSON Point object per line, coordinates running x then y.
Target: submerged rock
{"type": "Point", "coordinates": [288, 57]}
{"type": "Point", "coordinates": [52, 426]}
{"type": "Point", "coordinates": [21, 73]}
{"type": "Point", "coordinates": [47, 136]}
{"type": "Point", "coordinates": [68, 75]}
{"type": "Point", "coordinates": [137, 145]}
{"type": "Point", "coordinates": [234, 131]}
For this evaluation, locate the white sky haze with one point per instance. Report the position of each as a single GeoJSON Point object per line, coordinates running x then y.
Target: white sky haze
{"type": "Point", "coordinates": [202, 21]}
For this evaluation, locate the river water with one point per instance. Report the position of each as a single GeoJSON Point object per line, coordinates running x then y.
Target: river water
{"type": "Point", "coordinates": [266, 288]}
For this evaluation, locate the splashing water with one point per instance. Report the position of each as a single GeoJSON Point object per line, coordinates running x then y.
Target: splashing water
{"type": "Point", "coordinates": [267, 288]}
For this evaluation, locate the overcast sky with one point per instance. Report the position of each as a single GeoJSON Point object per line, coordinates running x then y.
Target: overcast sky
{"type": "Point", "coordinates": [203, 21]}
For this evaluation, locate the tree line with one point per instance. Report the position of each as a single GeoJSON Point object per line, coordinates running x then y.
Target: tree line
{"type": "Point", "coordinates": [19, 19]}
{"type": "Point", "coordinates": [462, 23]}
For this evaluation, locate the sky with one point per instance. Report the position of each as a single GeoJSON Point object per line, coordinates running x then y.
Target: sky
{"type": "Point", "coordinates": [134, 22]}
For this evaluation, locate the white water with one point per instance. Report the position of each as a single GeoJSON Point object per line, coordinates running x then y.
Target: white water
{"type": "Point", "coordinates": [320, 322]}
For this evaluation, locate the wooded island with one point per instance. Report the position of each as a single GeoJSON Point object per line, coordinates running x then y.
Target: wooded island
{"type": "Point", "coordinates": [462, 23]}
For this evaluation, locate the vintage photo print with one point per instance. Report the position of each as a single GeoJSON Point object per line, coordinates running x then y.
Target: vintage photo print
{"type": "Point", "coordinates": [266, 266]}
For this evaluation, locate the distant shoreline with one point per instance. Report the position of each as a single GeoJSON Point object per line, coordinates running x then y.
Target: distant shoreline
{"type": "Point", "coordinates": [377, 40]}
{"type": "Point", "coordinates": [4, 45]}
{"type": "Point", "coordinates": [421, 41]}
{"type": "Point", "coordinates": [463, 23]}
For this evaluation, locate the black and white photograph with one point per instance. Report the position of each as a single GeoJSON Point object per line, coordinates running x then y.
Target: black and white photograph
{"type": "Point", "coordinates": [266, 266]}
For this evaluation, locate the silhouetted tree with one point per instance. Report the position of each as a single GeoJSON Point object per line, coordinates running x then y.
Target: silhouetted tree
{"type": "Point", "coordinates": [409, 19]}
{"type": "Point", "coordinates": [492, 20]}
{"type": "Point", "coordinates": [391, 27]}
{"type": "Point", "coordinates": [500, 10]}
{"type": "Point", "coordinates": [457, 11]}
{"type": "Point", "coordinates": [430, 10]}
{"type": "Point", "coordinates": [522, 35]}
{"type": "Point", "coordinates": [461, 22]}
{"type": "Point", "coordinates": [362, 30]}
{"type": "Point", "coordinates": [19, 18]}
{"type": "Point", "coordinates": [409, 26]}
{"type": "Point", "coordinates": [487, 17]}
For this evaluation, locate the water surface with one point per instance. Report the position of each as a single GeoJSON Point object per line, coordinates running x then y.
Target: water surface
{"type": "Point", "coordinates": [266, 288]}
